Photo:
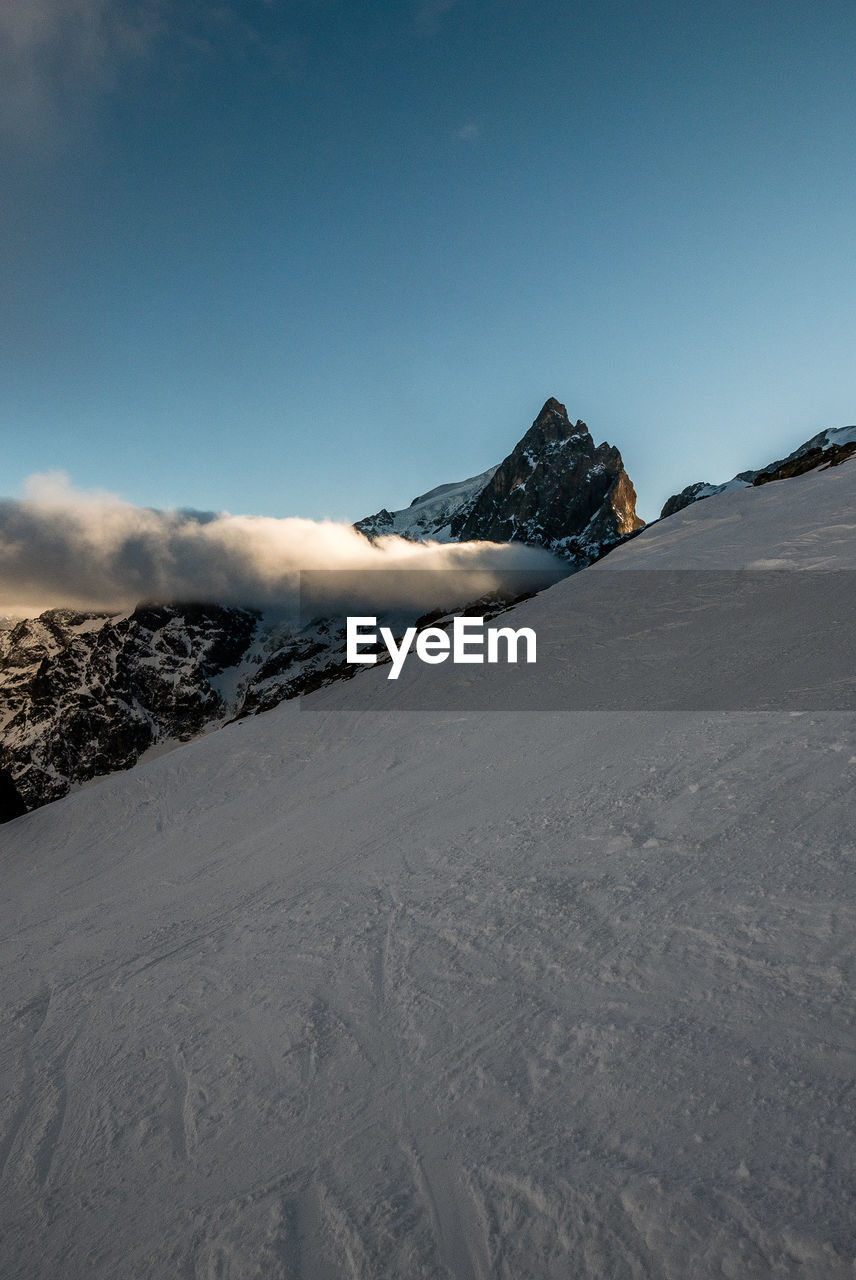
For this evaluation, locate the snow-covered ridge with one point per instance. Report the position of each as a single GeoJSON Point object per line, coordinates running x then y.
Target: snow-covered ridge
{"type": "Point", "coordinates": [431, 514]}
{"type": "Point", "coordinates": [461, 488]}
{"type": "Point", "coordinates": [838, 442]}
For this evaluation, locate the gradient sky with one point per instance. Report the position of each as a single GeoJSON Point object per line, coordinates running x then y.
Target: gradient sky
{"type": "Point", "coordinates": [313, 257]}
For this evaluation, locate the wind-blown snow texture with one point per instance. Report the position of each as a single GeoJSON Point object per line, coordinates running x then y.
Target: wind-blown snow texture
{"type": "Point", "coordinates": [446, 995]}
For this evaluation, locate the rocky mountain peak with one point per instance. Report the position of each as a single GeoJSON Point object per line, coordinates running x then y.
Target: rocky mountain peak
{"type": "Point", "coordinates": [556, 489]}
{"type": "Point", "coordinates": [553, 423]}
{"type": "Point", "coordinates": [552, 408]}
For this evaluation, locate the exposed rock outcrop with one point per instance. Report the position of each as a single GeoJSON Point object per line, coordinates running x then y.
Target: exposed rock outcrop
{"type": "Point", "coordinates": [85, 694]}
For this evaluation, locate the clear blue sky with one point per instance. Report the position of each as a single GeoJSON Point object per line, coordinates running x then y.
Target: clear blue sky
{"type": "Point", "coordinates": [309, 257]}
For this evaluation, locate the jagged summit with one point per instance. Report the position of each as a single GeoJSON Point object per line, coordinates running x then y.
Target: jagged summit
{"type": "Point", "coordinates": [555, 414]}
{"type": "Point", "coordinates": [556, 489]}
{"type": "Point", "coordinates": [552, 407]}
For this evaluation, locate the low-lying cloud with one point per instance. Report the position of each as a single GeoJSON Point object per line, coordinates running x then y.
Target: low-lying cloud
{"type": "Point", "coordinates": [61, 547]}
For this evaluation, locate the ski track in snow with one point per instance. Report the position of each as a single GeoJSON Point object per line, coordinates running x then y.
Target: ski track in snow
{"type": "Point", "coordinates": [447, 996]}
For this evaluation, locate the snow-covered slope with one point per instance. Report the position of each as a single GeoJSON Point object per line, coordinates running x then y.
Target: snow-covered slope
{"type": "Point", "coordinates": [431, 514]}
{"type": "Point", "coordinates": [382, 994]}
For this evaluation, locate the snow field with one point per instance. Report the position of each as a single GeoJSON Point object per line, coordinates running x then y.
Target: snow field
{"type": "Point", "coordinates": [449, 995]}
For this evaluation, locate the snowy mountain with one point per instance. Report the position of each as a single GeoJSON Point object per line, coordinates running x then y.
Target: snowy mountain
{"type": "Point", "coordinates": [827, 448]}
{"type": "Point", "coordinates": [431, 514]}
{"type": "Point", "coordinates": [452, 995]}
{"type": "Point", "coordinates": [556, 489]}
{"type": "Point", "coordinates": [86, 694]}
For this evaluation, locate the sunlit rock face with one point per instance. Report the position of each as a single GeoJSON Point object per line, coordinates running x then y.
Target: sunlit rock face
{"type": "Point", "coordinates": [556, 489]}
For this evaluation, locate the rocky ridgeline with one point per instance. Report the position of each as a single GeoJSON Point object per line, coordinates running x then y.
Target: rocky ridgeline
{"type": "Point", "coordinates": [556, 489]}
{"type": "Point", "coordinates": [826, 449]}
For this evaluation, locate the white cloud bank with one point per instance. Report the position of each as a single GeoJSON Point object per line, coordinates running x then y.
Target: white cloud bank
{"type": "Point", "coordinates": [61, 547]}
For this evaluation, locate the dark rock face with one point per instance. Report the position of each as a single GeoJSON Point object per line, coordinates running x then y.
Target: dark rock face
{"type": "Point", "coordinates": [11, 804]}
{"type": "Point", "coordinates": [85, 694]}
{"type": "Point", "coordinates": [685, 498]}
{"type": "Point", "coordinates": [556, 489]}
{"type": "Point", "coordinates": [808, 461]}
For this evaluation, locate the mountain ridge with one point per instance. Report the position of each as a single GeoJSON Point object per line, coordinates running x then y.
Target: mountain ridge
{"type": "Point", "coordinates": [828, 447]}
{"type": "Point", "coordinates": [89, 693]}
{"type": "Point", "coordinates": [86, 694]}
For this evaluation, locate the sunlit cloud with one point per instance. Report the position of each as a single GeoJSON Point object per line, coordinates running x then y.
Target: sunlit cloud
{"type": "Point", "coordinates": [62, 547]}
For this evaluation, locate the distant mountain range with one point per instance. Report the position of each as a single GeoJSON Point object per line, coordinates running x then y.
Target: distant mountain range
{"type": "Point", "coordinates": [85, 694]}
